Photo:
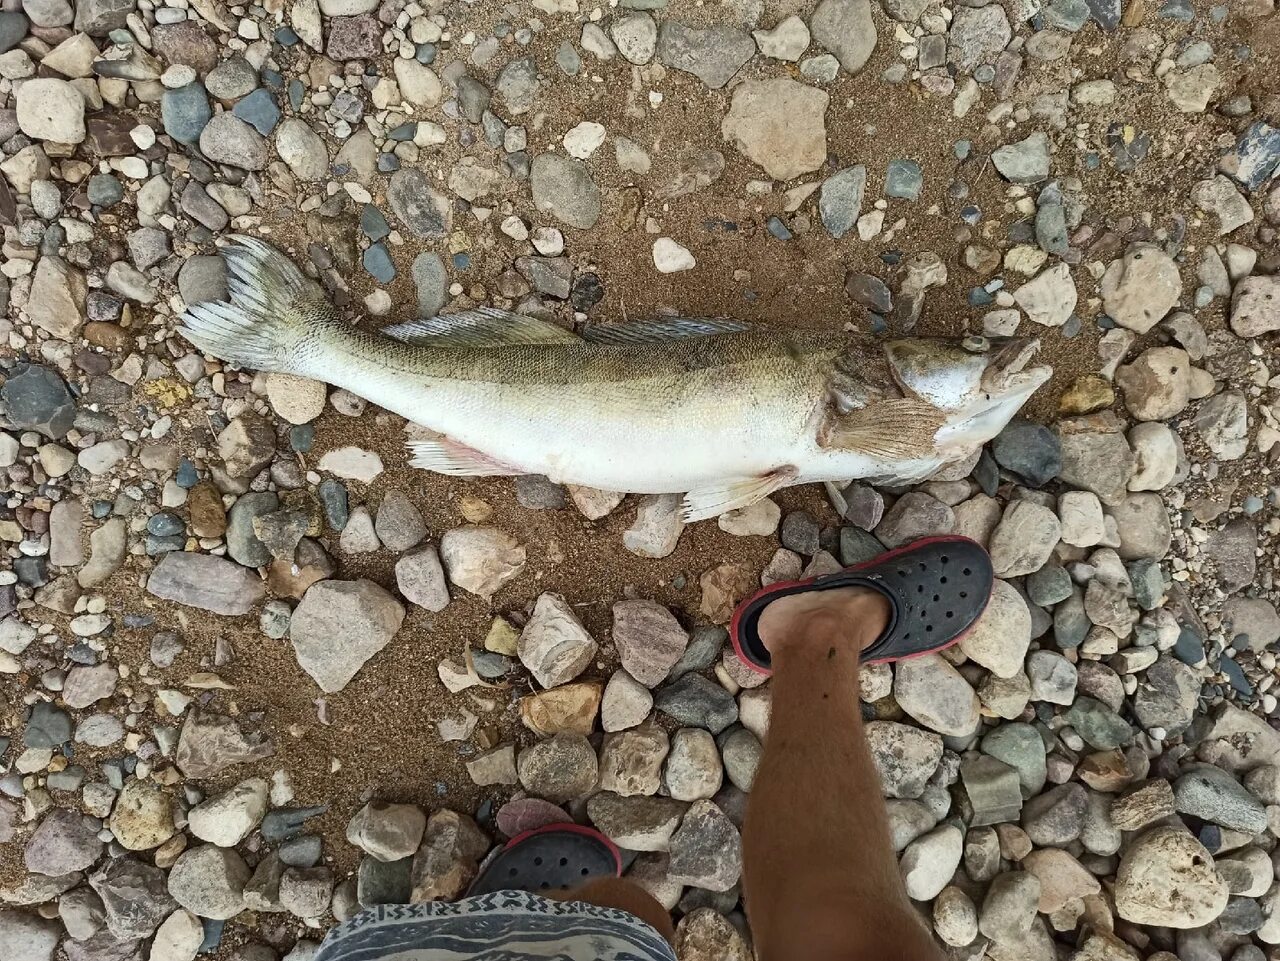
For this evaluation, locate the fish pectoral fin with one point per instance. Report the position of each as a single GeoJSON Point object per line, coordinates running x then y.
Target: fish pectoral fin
{"type": "Point", "coordinates": [890, 428]}
{"type": "Point", "coordinates": [662, 330]}
{"type": "Point", "coordinates": [482, 327]}
{"type": "Point", "coordinates": [716, 499]}
{"type": "Point", "coordinates": [445, 456]}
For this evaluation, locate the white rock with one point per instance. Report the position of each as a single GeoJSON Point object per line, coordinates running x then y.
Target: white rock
{"type": "Point", "coordinates": [937, 695]}
{"type": "Point", "coordinates": [780, 124]}
{"type": "Point", "coordinates": [418, 83]}
{"type": "Point", "coordinates": [787, 41]}
{"type": "Point", "coordinates": [481, 559]}
{"type": "Point", "coordinates": [755, 710]}
{"type": "Point", "coordinates": [352, 463]}
{"type": "Point", "coordinates": [1190, 90]}
{"type": "Point", "coordinates": [1140, 288]}
{"type": "Point", "coordinates": [347, 8]}
{"type": "Point", "coordinates": [299, 400]}
{"type": "Point", "coordinates": [693, 768]}
{"type": "Point", "coordinates": [103, 456]}
{"type": "Point", "coordinates": [1167, 878]}
{"type": "Point", "coordinates": [227, 819]}
{"type": "Point", "coordinates": [1050, 297]}
{"type": "Point", "coordinates": [630, 156]}
{"type": "Point", "coordinates": [1024, 539]}
{"type": "Point", "coordinates": [1001, 636]}
{"type": "Point", "coordinates": [955, 917]}
{"type": "Point", "coordinates": [758, 520]}
{"type": "Point", "coordinates": [554, 645]}
{"type": "Point", "coordinates": [548, 241]}
{"type": "Point", "coordinates": [657, 526]}
{"type": "Point", "coordinates": [670, 257]}
{"type": "Point", "coordinates": [1155, 451]}
{"type": "Point", "coordinates": [420, 578]}
{"type": "Point", "coordinates": [594, 504]}
{"type": "Point", "coordinates": [584, 139]}
{"type": "Point", "coordinates": [302, 150]}
{"type": "Point", "coordinates": [51, 109]}
{"type": "Point", "coordinates": [1081, 516]}
{"type": "Point", "coordinates": [178, 938]}
{"type": "Point", "coordinates": [930, 861]}
{"type": "Point", "coordinates": [625, 704]}
{"type": "Point", "coordinates": [359, 536]}
{"type": "Point", "coordinates": [905, 757]}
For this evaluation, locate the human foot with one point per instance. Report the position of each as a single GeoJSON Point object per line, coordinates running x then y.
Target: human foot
{"type": "Point", "coordinates": [930, 594]}
{"type": "Point", "coordinates": [850, 615]}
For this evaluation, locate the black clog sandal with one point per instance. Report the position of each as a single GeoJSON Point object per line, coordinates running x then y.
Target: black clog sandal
{"type": "Point", "coordinates": [548, 859]}
{"type": "Point", "coordinates": [937, 588]}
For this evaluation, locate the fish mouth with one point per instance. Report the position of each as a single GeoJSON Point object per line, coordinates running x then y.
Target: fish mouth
{"type": "Point", "coordinates": [1006, 383]}
{"type": "Point", "coordinates": [1007, 374]}
{"type": "Point", "coordinates": [962, 375]}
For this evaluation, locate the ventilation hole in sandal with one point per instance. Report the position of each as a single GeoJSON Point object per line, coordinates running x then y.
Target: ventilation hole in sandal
{"type": "Point", "coordinates": [537, 862]}
{"type": "Point", "coordinates": [513, 872]}
{"type": "Point", "coordinates": [964, 594]}
{"type": "Point", "coordinates": [585, 872]}
{"type": "Point", "coordinates": [945, 558]}
{"type": "Point", "coordinates": [564, 862]}
{"type": "Point", "coordinates": [906, 637]}
{"type": "Point", "coordinates": [950, 614]}
{"type": "Point", "coordinates": [967, 572]}
{"type": "Point", "coordinates": [919, 588]}
{"type": "Point", "coordinates": [928, 628]}
{"type": "Point", "coordinates": [544, 885]}
{"type": "Point", "coordinates": [902, 573]}
{"type": "Point", "coordinates": [943, 579]}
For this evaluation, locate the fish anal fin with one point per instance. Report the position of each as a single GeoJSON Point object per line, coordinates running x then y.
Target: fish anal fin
{"type": "Point", "coordinates": [662, 330]}
{"type": "Point", "coordinates": [716, 499]}
{"type": "Point", "coordinates": [445, 456]}
{"type": "Point", "coordinates": [888, 428]}
{"type": "Point", "coordinates": [482, 327]}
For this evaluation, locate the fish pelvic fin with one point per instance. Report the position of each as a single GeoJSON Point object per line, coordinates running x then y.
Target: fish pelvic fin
{"type": "Point", "coordinates": [271, 316]}
{"type": "Point", "coordinates": [887, 429]}
{"type": "Point", "coordinates": [445, 456]}
{"type": "Point", "coordinates": [716, 499]}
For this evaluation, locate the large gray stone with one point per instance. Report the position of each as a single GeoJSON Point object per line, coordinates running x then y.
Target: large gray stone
{"type": "Point", "coordinates": [205, 582]}
{"type": "Point", "coordinates": [846, 28]}
{"type": "Point", "coordinates": [340, 625]}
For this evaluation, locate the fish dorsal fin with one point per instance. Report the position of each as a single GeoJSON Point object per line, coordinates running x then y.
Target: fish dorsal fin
{"type": "Point", "coordinates": [481, 327]}
{"type": "Point", "coordinates": [888, 428]}
{"type": "Point", "coordinates": [662, 330]}
{"type": "Point", "coordinates": [716, 499]}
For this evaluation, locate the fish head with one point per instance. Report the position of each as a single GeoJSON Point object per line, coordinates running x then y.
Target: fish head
{"type": "Point", "coordinates": [978, 383]}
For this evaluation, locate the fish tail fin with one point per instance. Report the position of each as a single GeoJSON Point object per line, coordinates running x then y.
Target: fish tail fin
{"type": "Point", "coordinates": [273, 311]}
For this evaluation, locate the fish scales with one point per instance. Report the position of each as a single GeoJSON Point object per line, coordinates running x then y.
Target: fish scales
{"type": "Point", "coordinates": [721, 411]}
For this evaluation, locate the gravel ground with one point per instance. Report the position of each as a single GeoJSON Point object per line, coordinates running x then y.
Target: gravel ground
{"type": "Point", "coordinates": [256, 672]}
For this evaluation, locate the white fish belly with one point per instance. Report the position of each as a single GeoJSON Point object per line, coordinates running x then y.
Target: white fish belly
{"type": "Point", "coordinates": [591, 436]}
{"type": "Point", "coordinates": [577, 439]}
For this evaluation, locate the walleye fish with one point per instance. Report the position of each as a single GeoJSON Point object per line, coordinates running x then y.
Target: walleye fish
{"type": "Point", "coordinates": [722, 411]}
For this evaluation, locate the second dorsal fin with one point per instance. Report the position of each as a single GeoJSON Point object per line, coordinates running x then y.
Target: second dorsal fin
{"type": "Point", "coordinates": [662, 330]}
{"type": "Point", "coordinates": [481, 327]}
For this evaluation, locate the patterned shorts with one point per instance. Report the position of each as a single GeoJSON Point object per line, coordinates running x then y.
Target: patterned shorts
{"type": "Point", "coordinates": [503, 926]}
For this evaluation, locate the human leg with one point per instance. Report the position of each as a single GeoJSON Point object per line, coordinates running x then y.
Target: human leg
{"type": "Point", "coordinates": [820, 875]}
{"type": "Point", "coordinates": [625, 896]}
